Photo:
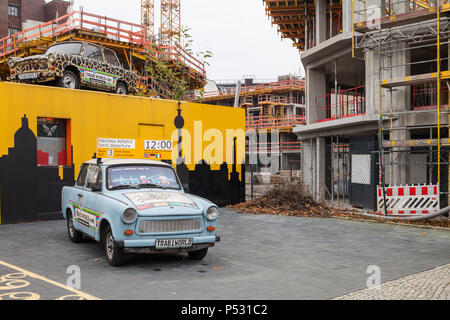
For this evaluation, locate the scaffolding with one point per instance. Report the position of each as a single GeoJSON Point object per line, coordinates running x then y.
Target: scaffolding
{"type": "Point", "coordinates": [148, 19]}
{"type": "Point", "coordinates": [129, 40]}
{"type": "Point", "coordinates": [170, 23]}
{"type": "Point", "coordinates": [296, 20]}
{"type": "Point", "coordinates": [411, 41]}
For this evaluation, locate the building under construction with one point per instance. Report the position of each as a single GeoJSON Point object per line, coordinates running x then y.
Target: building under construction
{"type": "Point", "coordinates": [377, 117]}
{"type": "Point", "coordinates": [272, 107]}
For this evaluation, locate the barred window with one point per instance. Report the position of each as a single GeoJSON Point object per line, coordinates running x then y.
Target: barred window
{"type": "Point", "coordinates": [13, 10]}
{"type": "Point", "coordinates": [12, 30]}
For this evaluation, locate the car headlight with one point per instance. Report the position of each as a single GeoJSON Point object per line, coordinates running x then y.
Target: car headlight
{"type": "Point", "coordinates": [11, 62]}
{"type": "Point", "coordinates": [129, 215]}
{"type": "Point", "coordinates": [212, 213]}
{"type": "Point", "coordinates": [51, 58]}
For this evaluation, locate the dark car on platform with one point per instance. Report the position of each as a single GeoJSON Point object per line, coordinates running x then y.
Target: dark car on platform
{"type": "Point", "coordinates": [75, 64]}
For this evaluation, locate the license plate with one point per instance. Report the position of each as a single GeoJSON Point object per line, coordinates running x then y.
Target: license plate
{"type": "Point", "coordinates": [26, 76]}
{"type": "Point", "coordinates": [173, 243]}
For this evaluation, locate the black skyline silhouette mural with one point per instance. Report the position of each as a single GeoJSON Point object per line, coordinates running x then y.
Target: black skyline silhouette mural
{"type": "Point", "coordinates": [219, 187]}
{"type": "Point", "coordinates": [29, 192]}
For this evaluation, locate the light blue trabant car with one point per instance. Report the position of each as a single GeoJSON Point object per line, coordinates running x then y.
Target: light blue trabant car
{"type": "Point", "coordinates": [138, 206]}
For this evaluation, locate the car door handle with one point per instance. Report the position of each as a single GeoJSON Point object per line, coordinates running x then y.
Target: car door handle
{"type": "Point", "coordinates": [80, 195]}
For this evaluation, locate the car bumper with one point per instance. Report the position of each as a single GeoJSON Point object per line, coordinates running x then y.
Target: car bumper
{"type": "Point", "coordinates": [42, 76]}
{"type": "Point", "coordinates": [148, 245]}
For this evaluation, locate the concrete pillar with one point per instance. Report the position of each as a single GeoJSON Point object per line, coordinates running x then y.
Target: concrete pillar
{"type": "Point", "coordinates": [321, 21]}
{"type": "Point", "coordinates": [346, 16]}
{"type": "Point", "coordinates": [308, 161]}
{"type": "Point", "coordinates": [373, 78]}
{"type": "Point", "coordinates": [321, 187]}
{"type": "Point", "coordinates": [316, 80]}
{"type": "Point", "coordinates": [401, 7]}
{"type": "Point", "coordinates": [401, 101]}
{"type": "Point", "coordinates": [401, 95]}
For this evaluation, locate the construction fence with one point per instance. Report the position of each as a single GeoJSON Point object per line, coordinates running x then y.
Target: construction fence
{"type": "Point", "coordinates": [413, 180]}
{"type": "Point", "coordinates": [395, 181]}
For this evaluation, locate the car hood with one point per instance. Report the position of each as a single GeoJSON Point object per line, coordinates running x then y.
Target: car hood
{"type": "Point", "coordinates": [30, 58]}
{"type": "Point", "coordinates": [151, 201]}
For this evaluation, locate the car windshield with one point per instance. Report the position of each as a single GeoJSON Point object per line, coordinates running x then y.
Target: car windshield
{"type": "Point", "coordinates": [142, 176]}
{"type": "Point", "coordinates": [68, 48]}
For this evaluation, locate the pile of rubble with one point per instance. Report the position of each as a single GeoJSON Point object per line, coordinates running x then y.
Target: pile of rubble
{"type": "Point", "coordinates": [292, 199]}
{"type": "Point", "coordinates": [287, 200]}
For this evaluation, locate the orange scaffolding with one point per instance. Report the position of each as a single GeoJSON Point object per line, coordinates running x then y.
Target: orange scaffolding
{"type": "Point", "coordinates": [127, 39]}
{"type": "Point", "coordinates": [258, 89]}
{"type": "Point", "coordinates": [279, 147]}
{"type": "Point", "coordinates": [283, 123]}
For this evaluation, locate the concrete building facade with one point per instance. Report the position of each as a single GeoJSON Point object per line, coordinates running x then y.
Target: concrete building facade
{"type": "Point", "coordinates": [273, 109]}
{"type": "Point", "coordinates": [373, 84]}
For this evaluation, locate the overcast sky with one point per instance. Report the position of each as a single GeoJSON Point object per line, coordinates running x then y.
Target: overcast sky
{"type": "Point", "coordinates": [237, 31]}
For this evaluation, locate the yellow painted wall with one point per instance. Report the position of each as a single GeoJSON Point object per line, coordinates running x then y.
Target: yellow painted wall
{"type": "Point", "coordinates": [101, 115]}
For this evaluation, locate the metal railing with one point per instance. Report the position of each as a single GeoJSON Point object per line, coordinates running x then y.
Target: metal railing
{"type": "Point", "coordinates": [102, 26]}
{"type": "Point", "coordinates": [256, 89]}
{"type": "Point", "coordinates": [268, 147]}
{"type": "Point", "coordinates": [268, 122]}
{"type": "Point", "coordinates": [343, 104]}
{"type": "Point", "coordinates": [424, 96]}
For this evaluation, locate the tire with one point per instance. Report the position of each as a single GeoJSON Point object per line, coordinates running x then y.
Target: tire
{"type": "Point", "coordinates": [74, 235]}
{"type": "Point", "coordinates": [69, 80]}
{"type": "Point", "coordinates": [198, 255]}
{"type": "Point", "coordinates": [121, 88]}
{"type": "Point", "coordinates": [114, 254]}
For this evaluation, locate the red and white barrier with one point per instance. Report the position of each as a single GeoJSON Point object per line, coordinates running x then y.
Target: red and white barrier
{"type": "Point", "coordinates": [409, 200]}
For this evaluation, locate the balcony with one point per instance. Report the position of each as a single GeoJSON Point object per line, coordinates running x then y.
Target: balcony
{"type": "Point", "coordinates": [424, 96]}
{"type": "Point", "coordinates": [344, 104]}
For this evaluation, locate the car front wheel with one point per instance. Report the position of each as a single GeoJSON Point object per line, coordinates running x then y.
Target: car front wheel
{"type": "Point", "coordinates": [69, 80]}
{"type": "Point", "coordinates": [74, 235]}
{"type": "Point", "coordinates": [198, 255]}
{"type": "Point", "coordinates": [114, 254]}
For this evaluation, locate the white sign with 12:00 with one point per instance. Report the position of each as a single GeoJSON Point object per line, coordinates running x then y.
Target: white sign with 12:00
{"type": "Point", "coordinates": [165, 145]}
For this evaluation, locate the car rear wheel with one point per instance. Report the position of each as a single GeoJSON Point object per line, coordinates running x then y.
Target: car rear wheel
{"type": "Point", "coordinates": [69, 80]}
{"type": "Point", "coordinates": [121, 88]}
{"type": "Point", "coordinates": [114, 254]}
{"type": "Point", "coordinates": [74, 235]}
{"type": "Point", "coordinates": [198, 255]}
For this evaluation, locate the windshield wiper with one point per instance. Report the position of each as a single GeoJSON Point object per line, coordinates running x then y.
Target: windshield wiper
{"type": "Point", "coordinates": [151, 185]}
{"type": "Point", "coordinates": [126, 186]}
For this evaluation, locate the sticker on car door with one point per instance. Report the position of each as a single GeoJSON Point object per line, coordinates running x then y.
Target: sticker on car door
{"type": "Point", "coordinates": [86, 217]}
{"type": "Point", "coordinates": [98, 77]}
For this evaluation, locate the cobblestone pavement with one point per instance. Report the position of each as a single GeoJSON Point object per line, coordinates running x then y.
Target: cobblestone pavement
{"type": "Point", "coordinates": [428, 285]}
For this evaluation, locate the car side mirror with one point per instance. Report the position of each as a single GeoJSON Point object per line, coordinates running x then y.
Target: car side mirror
{"type": "Point", "coordinates": [96, 187]}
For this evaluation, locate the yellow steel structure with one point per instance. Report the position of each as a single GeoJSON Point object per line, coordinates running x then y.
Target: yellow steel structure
{"type": "Point", "coordinates": [129, 40]}
{"type": "Point", "coordinates": [170, 23]}
{"type": "Point", "coordinates": [148, 18]}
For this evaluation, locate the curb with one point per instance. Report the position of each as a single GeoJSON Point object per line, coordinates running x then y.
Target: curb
{"type": "Point", "coordinates": [364, 220]}
{"type": "Point", "coordinates": [394, 223]}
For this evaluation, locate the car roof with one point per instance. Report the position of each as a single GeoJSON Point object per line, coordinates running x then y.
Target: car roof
{"type": "Point", "coordinates": [113, 162]}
